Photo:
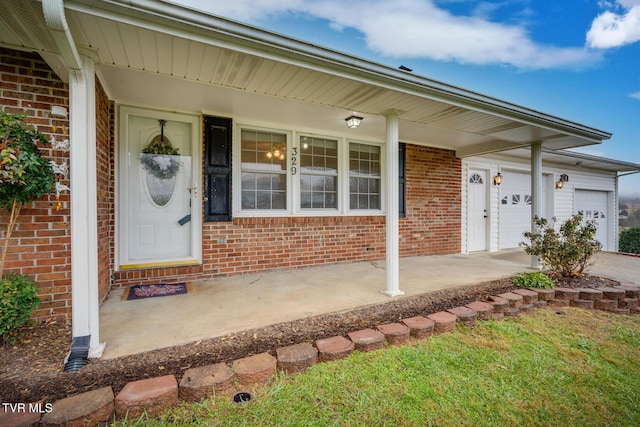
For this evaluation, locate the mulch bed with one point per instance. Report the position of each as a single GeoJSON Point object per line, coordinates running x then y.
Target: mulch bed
{"type": "Point", "coordinates": [32, 370]}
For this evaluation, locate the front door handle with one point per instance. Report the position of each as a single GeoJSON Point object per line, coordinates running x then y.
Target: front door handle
{"type": "Point", "coordinates": [194, 189]}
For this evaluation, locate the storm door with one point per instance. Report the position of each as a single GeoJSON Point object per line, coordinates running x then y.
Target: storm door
{"type": "Point", "coordinates": [159, 189]}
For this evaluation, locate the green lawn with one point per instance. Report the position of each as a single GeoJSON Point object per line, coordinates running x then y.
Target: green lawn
{"type": "Point", "coordinates": [580, 368]}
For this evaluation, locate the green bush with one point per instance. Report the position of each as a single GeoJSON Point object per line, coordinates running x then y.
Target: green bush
{"type": "Point", "coordinates": [18, 299]}
{"type": "Point", "coordinates": [566, 252]}
{"type": "Point", "coordinates": [533, 280]}
{"type": "Point", "coordinates": [630, 241]}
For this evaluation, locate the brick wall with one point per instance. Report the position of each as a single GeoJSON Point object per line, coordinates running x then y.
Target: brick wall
{"type": "Point", "coordinates": [105, 154]}
{"type": "Point", "coordinates": [249, 245]}
{"type": "Point", "coordinates": [40, 245]}
{"type": "Point", "coordinates": [434, 193]}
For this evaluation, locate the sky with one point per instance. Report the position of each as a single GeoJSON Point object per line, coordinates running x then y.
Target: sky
{"type": "Point", "coordinates": [576, 59]}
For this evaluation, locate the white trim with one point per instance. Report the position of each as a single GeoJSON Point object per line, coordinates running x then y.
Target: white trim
{"type": "Point", "coordinates": [84, 218]}
{"type": "Point", "coordinates": [121, 232]}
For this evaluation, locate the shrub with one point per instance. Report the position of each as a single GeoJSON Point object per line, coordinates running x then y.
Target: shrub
{"type": "Point", "coordinates": [567, 252]}
{"type": "Point", "coordinates": [25, 175]}
{"type": "Point", "coordinates": [533, 280]}
{"type": "Point", "coordinates": [630, 241]}
{"type": "Point", "coordinates": [18, 299]}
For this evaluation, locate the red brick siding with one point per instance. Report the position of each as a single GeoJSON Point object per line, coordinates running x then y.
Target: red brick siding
{"type": "Point", "coordinates": [40, 245]}
{"type": "Point", "coordinates": [105, 153]}
{"type": "Point", "coordinates": [434, 191]}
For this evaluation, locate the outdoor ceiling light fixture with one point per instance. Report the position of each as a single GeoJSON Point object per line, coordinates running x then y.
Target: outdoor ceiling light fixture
{"type": "Point", "coordinates": [563, 178]}
{"type": "Point", "coordinates": [497, 180]}
{"type": "Point", "coordinates": [353, 121]}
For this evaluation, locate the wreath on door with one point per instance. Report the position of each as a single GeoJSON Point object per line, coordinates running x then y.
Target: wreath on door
{"type": "Point", "coordinates": [160, 158]}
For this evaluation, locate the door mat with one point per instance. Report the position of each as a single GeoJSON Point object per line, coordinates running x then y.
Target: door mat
{"type": "Point", "coordinates": [157, 290]}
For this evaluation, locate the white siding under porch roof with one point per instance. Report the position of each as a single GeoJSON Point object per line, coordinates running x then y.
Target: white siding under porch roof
{"type": "Point", "coordinates": [561, 202]}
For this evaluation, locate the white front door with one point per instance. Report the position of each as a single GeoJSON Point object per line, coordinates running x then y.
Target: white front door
{"type": "Point", "coordinates": [159, 218]}
{"type": "Point", "coordinates": [477, 210]}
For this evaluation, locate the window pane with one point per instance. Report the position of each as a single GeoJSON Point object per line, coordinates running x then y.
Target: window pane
{"type": "Point", "coordinates": [364, 176]}
{"type": "Point", "coordinates": [318, 173]}
{"type": "Point", "coordinates": [263, 164]}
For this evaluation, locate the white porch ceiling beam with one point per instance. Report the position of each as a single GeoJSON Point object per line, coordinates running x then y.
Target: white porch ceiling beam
{"type": "Point", "coordinates": [489, 147]}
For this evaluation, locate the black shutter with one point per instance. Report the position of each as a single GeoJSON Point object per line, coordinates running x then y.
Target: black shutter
{"type": "Point", "coordinates": [217, 169]}
{"type": "Point", "coordinates": [402, 179]}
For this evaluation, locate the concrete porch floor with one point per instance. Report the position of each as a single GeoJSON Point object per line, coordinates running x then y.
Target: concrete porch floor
{"type": "Point", "coordinates": [221, 306]}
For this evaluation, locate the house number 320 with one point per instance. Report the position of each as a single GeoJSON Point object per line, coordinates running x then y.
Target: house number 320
{"type": "Point", "coordinates": [294, 160]}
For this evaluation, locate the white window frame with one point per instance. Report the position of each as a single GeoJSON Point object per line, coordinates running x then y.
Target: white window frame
{"type": "Point", "coordinates": [293, 139]}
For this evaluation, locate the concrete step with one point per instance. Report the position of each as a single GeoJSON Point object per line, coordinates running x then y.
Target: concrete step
{"type": "Point", "coordinates": [200, 383]}
{"type": "Point", "coordinates": [395, 333]}
{"type": "Point", "coordinates": [367, 339]}
{"type": "Point", "coordinates": [255, 369]}
{"type": "Point", "coordinates": [153, 396]}
{"type": "Point", "coordinates": [297, 357]}
{"type": "Point", "coordinates": [559, 303]}
{"type": "Point", "coordinates": [419, 327]}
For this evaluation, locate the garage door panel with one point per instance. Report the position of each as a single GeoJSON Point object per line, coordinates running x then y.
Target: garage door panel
{"type": "Point", "coordinates": [515, 207]}
{"type": "Point", "coordinates": [592, 205]}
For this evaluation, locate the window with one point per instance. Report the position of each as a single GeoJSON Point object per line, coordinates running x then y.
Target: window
{"type": "Point", "coordinates": [475, 179]}
{"type": "Point", "coordinates": [318, 173]}
{"type": "Point", "coordinates": [364, 176]}
{"type": "Point", "coordinates": [264, 170]}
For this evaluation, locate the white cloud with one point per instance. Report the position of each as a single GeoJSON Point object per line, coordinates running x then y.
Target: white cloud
{"type": "Point", "coordinates": [635, 95]}
{"type": "Point", "coordinates": [418, 29]}
{"type": "Point", "coordinates": [617, 26]}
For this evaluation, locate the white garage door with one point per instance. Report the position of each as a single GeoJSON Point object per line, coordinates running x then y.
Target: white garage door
{"type": "Point", "coordinates": [515, 207]}
{"type": "Point", "coordinates": [592, 205]}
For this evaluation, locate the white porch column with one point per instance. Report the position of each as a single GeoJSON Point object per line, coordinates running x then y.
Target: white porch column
{"type": "Point", "coordinates": [536, 192]}
{"type": "Point", "coordinates": [84, 223]}
{"type": "Point", "coordinates": [392, 203]}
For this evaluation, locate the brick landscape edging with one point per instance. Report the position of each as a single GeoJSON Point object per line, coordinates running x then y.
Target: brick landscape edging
{"type": "Point", "coordinates": [156, 394]}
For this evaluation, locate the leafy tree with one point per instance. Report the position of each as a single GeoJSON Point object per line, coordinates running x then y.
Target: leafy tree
{"type": "Point", "coordinates": [25, 175]}
{"type": "Point", "coordinates": [566, 252]}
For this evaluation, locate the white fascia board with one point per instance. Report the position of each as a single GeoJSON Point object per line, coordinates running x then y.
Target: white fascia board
{"type": "Point", "coordinates": [194, 25]}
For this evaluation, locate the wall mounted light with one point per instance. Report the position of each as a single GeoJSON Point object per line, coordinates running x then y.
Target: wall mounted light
{"type": "Point", "coordinates": [563, 178]}
{"type": "Point", "coordinates": [353, 121]}
{"type": "Point", "coordinates": [497, 180]}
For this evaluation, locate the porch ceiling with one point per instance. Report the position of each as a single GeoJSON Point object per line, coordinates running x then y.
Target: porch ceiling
{"type": "Point", "coordinates": [164, 55]}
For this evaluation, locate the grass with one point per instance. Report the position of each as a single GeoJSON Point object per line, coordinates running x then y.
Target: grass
{"type": "Point", "coordinates": [580, 368]}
